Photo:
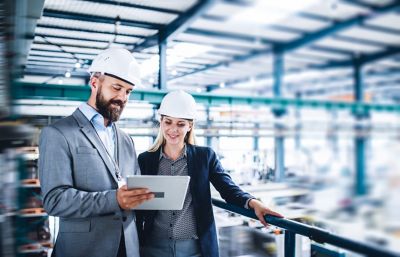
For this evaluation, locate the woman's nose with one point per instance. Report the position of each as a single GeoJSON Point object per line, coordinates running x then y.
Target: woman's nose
{"type": "Point", "coordinates": [174, 128]}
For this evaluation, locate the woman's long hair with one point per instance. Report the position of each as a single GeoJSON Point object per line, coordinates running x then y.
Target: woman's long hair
{"type": "Point", "coordinates": [190, 137]}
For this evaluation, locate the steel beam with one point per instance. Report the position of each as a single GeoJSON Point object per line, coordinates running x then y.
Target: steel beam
{"type": "Point", "coordinates": [69, 45]}
{"type": "Point", "coordinates": [208, 126]}
{"type": "Point", "coordinates": [162, 70]}
{"type": "Point", "coordinates": [362, 59]}
{"type": "Point", "coordinates": [360, 140]}
{"type": "Point", "coordinates": [59, 51]}
{"type": "Point", "coordinates": [360, 179]}
{"type": "Point", "coordinates": [363, 41]}
{"type": "Point", "coordinates": [114, 4]}
{"type": "Point", "coordinates": [229, 35]}
{"type": "Point", "coordinates": [99, 19]}
{"type": "Point", "coordinates": [51, 26]}
{"type": "Point", "coordinates": [78, 39]}
{"type": "Point", "coordinates": [66, 92]}
{"type": "Point", "coordinates": [307, 39]}
{"type": "Point", "coordinates": [177, 26]}
{"type": "Point", "coordinates": [52, 72]}
{"type": "Point", "coordinates": [278, 112]}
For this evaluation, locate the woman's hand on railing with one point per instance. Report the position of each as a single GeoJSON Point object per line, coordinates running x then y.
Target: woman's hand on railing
{"type": "Point", "coordinates": [261, 210]}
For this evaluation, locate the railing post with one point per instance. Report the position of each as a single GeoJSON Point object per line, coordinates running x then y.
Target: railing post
{"type": "Point", "coordinates": [290, 243]}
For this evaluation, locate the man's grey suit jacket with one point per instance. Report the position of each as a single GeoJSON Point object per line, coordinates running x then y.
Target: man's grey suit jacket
{"type": "Point", "coordinates": [79, 186]}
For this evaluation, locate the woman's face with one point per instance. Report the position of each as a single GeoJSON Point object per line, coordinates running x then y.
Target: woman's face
{"type": "Point", "coordinates": [174, 129]}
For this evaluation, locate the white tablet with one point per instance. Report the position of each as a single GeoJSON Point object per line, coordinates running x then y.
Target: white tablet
{"type": "Point", "coordinates": [169, 191]}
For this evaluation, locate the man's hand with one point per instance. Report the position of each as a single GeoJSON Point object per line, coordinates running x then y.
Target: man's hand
{"type": "Point", "coordinates": [130, 198]}
{"type": "Point", "coordinates": [261, 210]}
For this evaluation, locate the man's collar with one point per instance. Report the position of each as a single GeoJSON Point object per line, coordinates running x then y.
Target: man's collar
{"type": "Point", "coordinates": [92, 114]}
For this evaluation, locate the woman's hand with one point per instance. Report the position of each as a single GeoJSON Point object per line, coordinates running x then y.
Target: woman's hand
{"type": "Point", "coordinates": [261, 210]}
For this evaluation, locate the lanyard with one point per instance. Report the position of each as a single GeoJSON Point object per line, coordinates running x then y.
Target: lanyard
{"type": "Point", "coordinates": [116, 153]}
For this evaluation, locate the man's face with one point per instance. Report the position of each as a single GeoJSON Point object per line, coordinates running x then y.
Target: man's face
{"type": "Point", "coordinates": [111, 98]}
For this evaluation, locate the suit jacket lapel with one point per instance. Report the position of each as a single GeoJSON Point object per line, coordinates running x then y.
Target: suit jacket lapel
{"type": "Point", "coordinates": [191, 169]}
{"type": "Point", "coordinates": [90, 133]}
{"type": "Point", "coordinates": [154, 162]}
{"type": "Point", "coordinates": [120, 151]}
{"type": "Point", "coordinates": [190, 160]}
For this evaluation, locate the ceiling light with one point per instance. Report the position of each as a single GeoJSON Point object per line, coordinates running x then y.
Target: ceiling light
{"type": "Point", "coordinates": [188, 49]}
{"type": "Point", "coordinates": [78, 65]}
{"type": "Point", "coordinates": [60, 81]}
{"type": "Point", "coordinates": [68, 74]}
{"type": "Point", "coordinates": [269, 12]}
{"type": "Point", "coordinates": [222, 84]}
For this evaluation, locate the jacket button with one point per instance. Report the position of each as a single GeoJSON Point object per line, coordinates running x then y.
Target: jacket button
{"type": "Point", "coordinates": [124, 218]}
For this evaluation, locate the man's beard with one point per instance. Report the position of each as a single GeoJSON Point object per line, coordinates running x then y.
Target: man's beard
{"type": "Point", "coordinates": [106, 109]}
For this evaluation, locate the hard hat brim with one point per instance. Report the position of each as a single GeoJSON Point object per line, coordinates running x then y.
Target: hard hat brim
{"type": "Point", "coordinates": [116, 77]}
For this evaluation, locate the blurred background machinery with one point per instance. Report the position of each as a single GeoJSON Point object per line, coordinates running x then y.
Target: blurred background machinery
{"type": "Point", "coordinates": [300, 99]}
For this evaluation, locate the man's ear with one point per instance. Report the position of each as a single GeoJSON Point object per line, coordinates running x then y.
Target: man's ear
{"type": "Point", "coordinates": [94, 82]}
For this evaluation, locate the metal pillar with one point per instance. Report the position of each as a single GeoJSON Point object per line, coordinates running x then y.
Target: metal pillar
{"type": "Point", "coordinates": [279, 139]}
{"type": "Point", "coordinates": [333, 135]}
{"type": "Point", "coordinates": [208, 137]}
{"type": "Point", "coordinates": [279, 158]}
{"type": "Point", "coordinates": [360, 166]}
{"type": "Point", "coordinates": [256, 140]}
{"type": "Point", "coordinates": [154, 118]}
{"type": "Point", "coordinates": [162, 71]}
{"type": "Point", "coordinates": [359, 142]}
{"type": "Point", "coordinates": [297, 136]}
{"type": "Point", "coordinates": [290, 243]}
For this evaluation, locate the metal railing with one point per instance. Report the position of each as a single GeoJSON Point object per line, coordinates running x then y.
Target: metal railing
{"type": "Point", "coordinates": [316, 234]}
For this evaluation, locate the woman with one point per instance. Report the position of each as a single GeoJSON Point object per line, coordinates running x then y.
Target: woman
{"type": "Point", "coordinates": [190, 231]}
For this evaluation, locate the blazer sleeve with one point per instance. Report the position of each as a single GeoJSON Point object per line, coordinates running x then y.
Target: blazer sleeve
{"type": "Point", "coordinates": [60, 198]}
{"type": "Point", "coordinates": [224, 184]}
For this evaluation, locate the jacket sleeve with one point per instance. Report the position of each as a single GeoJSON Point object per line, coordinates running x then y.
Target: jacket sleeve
{"type": "Point", "coordinates": [60, 198]}
{"type": "Point", "coordinates": [224, 184]}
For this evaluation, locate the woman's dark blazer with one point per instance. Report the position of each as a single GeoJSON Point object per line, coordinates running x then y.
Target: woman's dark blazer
{"type": "Point", "coordinates": [203, 167]}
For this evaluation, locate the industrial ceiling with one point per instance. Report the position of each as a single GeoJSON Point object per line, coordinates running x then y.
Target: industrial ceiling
{"type": "Point", "coordinates": [229, 46]}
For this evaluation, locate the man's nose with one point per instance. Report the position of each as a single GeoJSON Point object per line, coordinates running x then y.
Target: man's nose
{"type": "Point", "coordinates": [122, 95]}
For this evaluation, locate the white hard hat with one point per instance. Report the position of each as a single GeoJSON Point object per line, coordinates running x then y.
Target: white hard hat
{"type": "Point", "coordinates": [119, 63]}
{"type": "Point", "coordinates": [178, 104]}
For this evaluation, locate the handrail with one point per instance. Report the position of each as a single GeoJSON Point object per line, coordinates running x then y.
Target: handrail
{"type": "Point", "coordinates": [314, 233]}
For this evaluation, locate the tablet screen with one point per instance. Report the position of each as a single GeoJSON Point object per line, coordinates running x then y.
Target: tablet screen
{"type": "Point", "coordinates": [169, 191]}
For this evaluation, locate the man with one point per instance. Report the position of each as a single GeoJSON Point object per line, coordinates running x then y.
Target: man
{"type": "Point", "coordinates": [83, 159]}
